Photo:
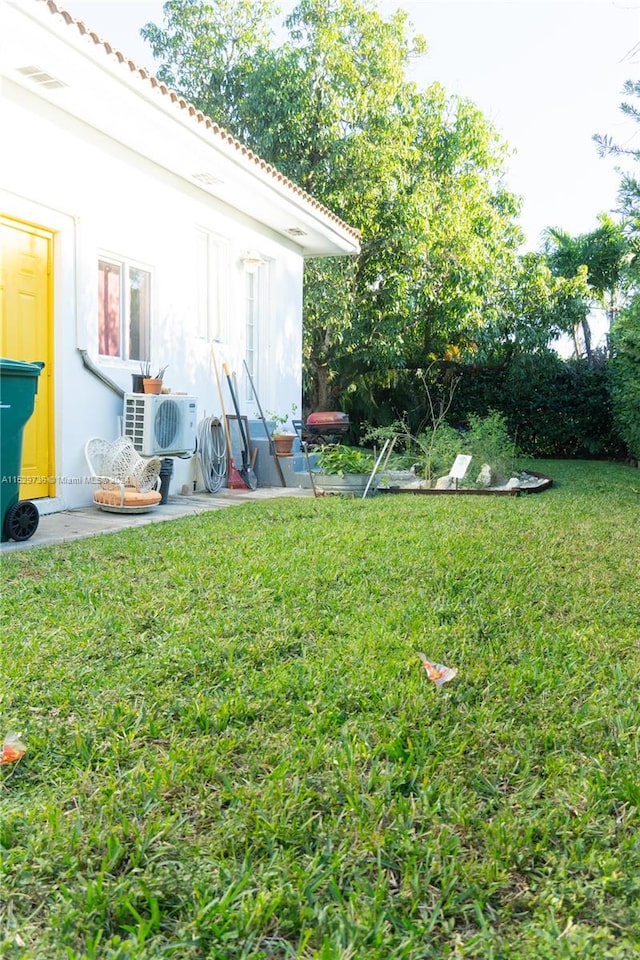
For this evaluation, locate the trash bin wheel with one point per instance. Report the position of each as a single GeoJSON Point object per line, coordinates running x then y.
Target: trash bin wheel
{"type": "Point", "coordinates": [21, 520]}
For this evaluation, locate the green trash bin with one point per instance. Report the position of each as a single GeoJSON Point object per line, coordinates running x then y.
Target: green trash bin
{"type": "Point", "coordinates": [18, 387]}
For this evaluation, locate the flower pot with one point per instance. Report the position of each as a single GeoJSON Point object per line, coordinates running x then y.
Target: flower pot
{"type": "Point", "coordinates": [151, 385]}
{"type": "Point", "coordinates": [284, 443]}
{"type": "Point", "coordinates": [137, 383]}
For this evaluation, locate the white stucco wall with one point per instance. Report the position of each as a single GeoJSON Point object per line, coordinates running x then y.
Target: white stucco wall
{"type": "Point", "coordinates": [99, 197]}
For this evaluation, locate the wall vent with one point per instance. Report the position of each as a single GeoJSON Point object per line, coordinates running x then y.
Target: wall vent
{"type": "Point", "coordinates": [41, 77]}
{"type": "Point", "coordinates": [208, 179]}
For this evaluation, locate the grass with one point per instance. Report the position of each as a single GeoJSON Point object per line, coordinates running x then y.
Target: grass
{"type": "Point", "coordinates": [234, 752]}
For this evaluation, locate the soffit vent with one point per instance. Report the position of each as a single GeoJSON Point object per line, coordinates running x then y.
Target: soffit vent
{"type": "Point", "coordinates": [41, 77]}
{"type": "Point", "coordinates": [296, 232]}
{"type": "Point", "coordinates": [208, 179]}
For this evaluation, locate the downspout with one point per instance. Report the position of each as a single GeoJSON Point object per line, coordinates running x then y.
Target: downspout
{"type": "Point", "coordinates": [81, 332]}
{"type": "Point", "coordinates": [91, 367]}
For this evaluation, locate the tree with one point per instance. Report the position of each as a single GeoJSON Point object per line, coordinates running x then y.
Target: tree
{"type": "Point", "coordinates": [536, 306]}
{"type": "Point", "coordinates": [603, 253]}
{"type": "Point", "coordinates": [629, 190]}
{"type": "Point", "coordinates": [437, 239]}
{"type": "Point", "coordinates": [626, 327]}
{"type": "Point", "coordinates": [418, 172]}
{"type": "Point", "coordinates": [205, 49]}
{"type": "Point", "coordinates": [626, 376]}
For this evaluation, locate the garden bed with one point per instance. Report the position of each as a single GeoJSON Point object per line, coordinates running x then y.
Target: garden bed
{"type": "Point", "coordinates": [532, 482]}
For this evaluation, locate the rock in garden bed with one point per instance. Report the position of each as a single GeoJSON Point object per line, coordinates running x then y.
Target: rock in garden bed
{"type": "Point", "coordinates": [526, 481]}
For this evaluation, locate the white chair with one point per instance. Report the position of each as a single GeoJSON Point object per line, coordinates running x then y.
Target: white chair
{"type": "Point", "coordinates": [126, 482]}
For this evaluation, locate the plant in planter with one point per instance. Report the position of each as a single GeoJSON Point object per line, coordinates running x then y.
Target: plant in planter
{"type": "Point", "coordinates": [432, 452]}
{"type": "Point", "coordinates": [152, 384]}
{"type": "Point", "coordinates": [435, 443]}
{"type": "Point", "coordinates": [487, 439]}
{"type": "Point", "coordinates": [282, 436]}
{"type": "Point", "coordinates": [343, 469]}
{"type": "Point", "coordinates": [137, 379]}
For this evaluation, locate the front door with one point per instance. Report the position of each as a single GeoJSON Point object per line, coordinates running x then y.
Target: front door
{"type": "Point", "coordinates": [26, 333]}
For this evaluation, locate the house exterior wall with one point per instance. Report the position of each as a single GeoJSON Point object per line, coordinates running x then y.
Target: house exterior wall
{"type": "Point", "coordinates": [98, 197]}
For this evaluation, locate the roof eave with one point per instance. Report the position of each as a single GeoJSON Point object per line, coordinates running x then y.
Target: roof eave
{"type": "Point", "coordinates": [239, 177]}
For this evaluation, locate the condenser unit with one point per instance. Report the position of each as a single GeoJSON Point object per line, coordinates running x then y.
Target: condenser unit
{"type": "Point", "coordinates": [161, 424]}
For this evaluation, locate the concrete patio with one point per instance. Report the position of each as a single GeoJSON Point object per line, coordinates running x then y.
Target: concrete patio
{"type": "Point", "coordinates": [91, 521]}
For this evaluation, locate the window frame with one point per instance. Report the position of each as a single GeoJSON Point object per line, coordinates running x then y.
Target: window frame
{"type": "Point", "coordinates": [256, 305]}
{"type": "Point", "coordinates": [124, 267]}
{"type": "Point", "coordinates": [212, 286]}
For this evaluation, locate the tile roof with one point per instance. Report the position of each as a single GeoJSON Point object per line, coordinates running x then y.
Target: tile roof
{"type": "Point", "coordinates": [199, 117]}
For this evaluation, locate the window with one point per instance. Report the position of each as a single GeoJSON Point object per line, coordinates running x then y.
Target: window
{"type": "Point", "coordinates": [257, 280]}
{"type": "Point", "coordinates": [212, 281]}
{"type": "Point", "coordinates": [124, 310]}
{"type": "Point", "coordinates": [252, 291]}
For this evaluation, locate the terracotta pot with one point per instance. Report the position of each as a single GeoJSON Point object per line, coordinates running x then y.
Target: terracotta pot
{"type": "Point", "coordinates": [284, 443]}
{"type": "Point", "coordinates": [152, 385]}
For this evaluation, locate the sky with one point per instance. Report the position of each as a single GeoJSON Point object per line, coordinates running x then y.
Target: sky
{"type": "Point", "coordinates": [547, 73]}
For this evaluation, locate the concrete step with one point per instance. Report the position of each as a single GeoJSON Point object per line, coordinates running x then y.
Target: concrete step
{"type": "Point", "coordinates": [294, 468]}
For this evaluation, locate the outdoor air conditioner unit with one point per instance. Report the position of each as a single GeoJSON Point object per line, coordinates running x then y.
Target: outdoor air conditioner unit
{"type": "Point", "coordinates": [161, 424]}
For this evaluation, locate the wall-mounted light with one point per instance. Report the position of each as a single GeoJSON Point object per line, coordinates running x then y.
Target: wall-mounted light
{"type": "Point", "coordinates": [251, 260]}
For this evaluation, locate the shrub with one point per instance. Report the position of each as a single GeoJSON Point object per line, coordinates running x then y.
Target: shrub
{"type": "Point", "coordinates": [338, 459]}
{"type": "Point", "coordinates": [625, 370]}
{"type": "Point", "coordinates": [488, 441]}
{"type": "Point", "coordinates": [438, 449]}
{"type": "Point", "coordinates": [434, 450]}
{"type": "Point", "coordinates": [553, 407]}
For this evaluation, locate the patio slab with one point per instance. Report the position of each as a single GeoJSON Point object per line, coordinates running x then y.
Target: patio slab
{"type": "Point", "coordinates": [90, 521]}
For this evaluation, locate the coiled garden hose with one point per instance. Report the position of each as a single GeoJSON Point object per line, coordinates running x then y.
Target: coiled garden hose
{"type": "Point", "coordinates": [212, 449]}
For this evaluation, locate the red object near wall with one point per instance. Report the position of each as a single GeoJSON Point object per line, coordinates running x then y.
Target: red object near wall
{"type": "Point", "coordinates": [328, 421]}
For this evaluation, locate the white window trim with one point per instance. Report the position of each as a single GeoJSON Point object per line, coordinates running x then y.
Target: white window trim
{"type": "Point", "coordinates": [126, 264]}
{"type": "Point", "coordinates": [262, 281]}
{"type": "Point", "coordinates": [212, 286]}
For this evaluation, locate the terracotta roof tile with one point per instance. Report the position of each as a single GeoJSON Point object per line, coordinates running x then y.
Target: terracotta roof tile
{"type": "Point", "coordinates": [197, 114]}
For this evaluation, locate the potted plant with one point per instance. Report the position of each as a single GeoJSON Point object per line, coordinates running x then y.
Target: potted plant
{"type": "Point", "coordinates": [343, 469]}
{"type": "Point", "coordinates": [282, 436]}
{"type": "Point", "coordinates": [152, 384]}
{"type": "Point", "coordinates": [137, 379]}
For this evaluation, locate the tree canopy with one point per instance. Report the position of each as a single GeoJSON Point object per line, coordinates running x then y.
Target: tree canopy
{"type": "Point", "coordinates": [419, 172]}
{"type": "Point", "coordinates": [600, 258]}
{"type": "Point", "coordinates": [625, 331]}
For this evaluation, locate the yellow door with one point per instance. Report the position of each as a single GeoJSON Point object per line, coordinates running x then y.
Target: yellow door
{"type": "Point", "coordinates": [26, 334]}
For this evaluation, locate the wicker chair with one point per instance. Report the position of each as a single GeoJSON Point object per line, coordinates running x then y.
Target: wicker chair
{"type": "Point", "coordinates": [126, 481]}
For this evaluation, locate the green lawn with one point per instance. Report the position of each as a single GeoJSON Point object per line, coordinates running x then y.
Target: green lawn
{"type": "Point", "coordinates": [233, 750]}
